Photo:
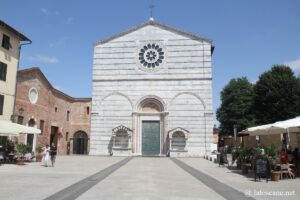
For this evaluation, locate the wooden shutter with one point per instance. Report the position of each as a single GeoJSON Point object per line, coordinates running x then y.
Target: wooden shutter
{"type": "Point", "coordinates": [3, 71]}
{"type": "Point", "coordinates": [1, 104]}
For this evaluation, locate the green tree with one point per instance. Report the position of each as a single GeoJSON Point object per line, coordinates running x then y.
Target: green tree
{"type": "Point", "coordinates": [236, 106]}
{"type": "Point", "coordinates": [276, 95]}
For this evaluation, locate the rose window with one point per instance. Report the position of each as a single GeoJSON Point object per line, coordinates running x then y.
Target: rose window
{"type": "Point", "coordinates": [151, 55]}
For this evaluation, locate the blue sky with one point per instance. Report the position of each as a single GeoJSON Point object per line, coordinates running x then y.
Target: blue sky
{"type": "Point", "coordinates": [249, 36]}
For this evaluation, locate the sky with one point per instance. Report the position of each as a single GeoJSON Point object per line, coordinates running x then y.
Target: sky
{"type": "Point", "coordinates": [249, 36]}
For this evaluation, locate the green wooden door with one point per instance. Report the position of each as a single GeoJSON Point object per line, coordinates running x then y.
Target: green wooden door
{"type": "Point", "coordinates": [150, 138]}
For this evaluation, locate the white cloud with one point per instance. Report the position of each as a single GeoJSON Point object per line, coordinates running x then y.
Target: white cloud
{"type": "Point", "coordinates": [43, 59]}
{"type": "Point", "coordinates": [59, 42]}
{"type": "Point", "coordinates": [50, 12]}
{"type": "Point", "coordinates": [294, 64]}
{"type": "Point", "coordinates": [45, 11]}
{"type": "Point", "coordinates": [70, 20]}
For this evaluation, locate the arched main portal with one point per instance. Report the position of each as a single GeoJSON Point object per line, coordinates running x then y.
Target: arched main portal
{"type": "Point", "coordinates": [149, 132]}
{"type": "Point", "coordinates": [80, 142]}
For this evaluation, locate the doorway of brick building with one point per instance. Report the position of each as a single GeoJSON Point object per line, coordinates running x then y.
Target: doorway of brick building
{"type": "Point", "coordinates": [54, 135]}
{"type": "Point", "coordinates": [30, 137]}
{"type": "Point", "coordinates": [80, 142]}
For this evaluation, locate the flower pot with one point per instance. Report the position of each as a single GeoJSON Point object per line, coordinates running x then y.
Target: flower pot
{"type": "Point", "coordinates": [21, 162]}
{"type": "Point", "coordinates": [275, 176]}
{"type": "Point", "coordinates": [244, 169]}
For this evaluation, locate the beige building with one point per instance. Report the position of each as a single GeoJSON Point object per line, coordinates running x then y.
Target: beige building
{"type": "Point", "coordinates": [9, 60]}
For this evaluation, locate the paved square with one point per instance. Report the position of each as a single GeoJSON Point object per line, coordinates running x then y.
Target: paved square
{"type": "Point", "coordinates": [93, 177]}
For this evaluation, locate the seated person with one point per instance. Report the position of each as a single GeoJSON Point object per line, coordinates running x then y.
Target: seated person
{"type": "Point", "coordinates": [291, 172]}
{"type": "Point", "coordinates": [296, 154]}
{"type": "Point", "coordinates": [29, 156]}
{"type": "Point", "coordinates": [283, 157]}
{"type": "Point", "coordinates": [289, 150]}
{"type": "Point", "coordinates": [296, 159]}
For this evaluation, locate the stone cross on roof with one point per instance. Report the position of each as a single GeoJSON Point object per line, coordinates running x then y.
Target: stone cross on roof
{"type": "Point", "coordinates": [151, 7]}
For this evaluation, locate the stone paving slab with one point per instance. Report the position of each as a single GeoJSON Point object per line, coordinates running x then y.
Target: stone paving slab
{"type": "Point", "coordinates": [34, 181]}
{"type": "Point", "coordinates": [284, 189]}
{"type": "Point", "coordinates": [148, 178]}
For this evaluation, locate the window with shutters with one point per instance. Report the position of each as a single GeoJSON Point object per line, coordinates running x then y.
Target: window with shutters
{"type": "Point", "coordinates": [6, 42]}
{"type": "Point", "coordinates": [3, 71]}
{"type": "Point", "coordinates": [68, 115]}
{"type": "Point", "coordinates": [42, 125]}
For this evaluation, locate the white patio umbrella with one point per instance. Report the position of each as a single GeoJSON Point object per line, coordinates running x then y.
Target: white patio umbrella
{"type": "Point", "coordinates": [256, 130]}
{"type": "Point", "coordinates": [291, 125]}
{"type": "Point", "coordinates": [8, 128]}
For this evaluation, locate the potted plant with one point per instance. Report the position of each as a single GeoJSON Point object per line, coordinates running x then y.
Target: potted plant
{"type": "Point", "coordinates": [272, 153]}
{"type": "Point", "coordinates": [236, 157]}
{"type": "Point", "coordinates": [22, 149]}
{"type": "Point", "coordinates": [244, 157]}
{"type": "Point", "coordinates": [39, 155]}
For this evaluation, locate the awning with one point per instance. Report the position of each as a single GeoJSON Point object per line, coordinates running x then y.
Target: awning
{"type": "Point", "coordinates": [8, 128]}
{"type": "Point", "coordinates": [288, 124]}
{"type": "Point", "coordinates": [291, 125]}
{"type": "Point", "coordinates": [256, 130]}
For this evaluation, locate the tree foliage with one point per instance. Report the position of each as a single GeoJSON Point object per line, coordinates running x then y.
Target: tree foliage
{"type": "Point", "coordinates": [236, 107]}
{"type": "Point", "coordinates": [276, 95]}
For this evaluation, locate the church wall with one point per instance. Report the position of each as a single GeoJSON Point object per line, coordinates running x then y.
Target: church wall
{"type": "Point", "coordinates": [186, 68]}
{"type": "Point", "coordinates": [113, 110]}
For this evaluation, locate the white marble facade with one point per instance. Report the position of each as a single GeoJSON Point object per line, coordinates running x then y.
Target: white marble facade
{"type": "Point", "coordinates": [169, 81]}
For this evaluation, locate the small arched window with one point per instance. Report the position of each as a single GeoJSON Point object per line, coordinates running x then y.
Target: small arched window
{"type": "Point", "coordinates": [178, 141]}
{"type": "Point", "coordinates": [178, 138]}
{"type": "Point", "coordinates": [121, 137]}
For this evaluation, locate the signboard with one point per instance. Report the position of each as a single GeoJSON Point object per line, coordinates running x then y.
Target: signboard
{"type": "Point", "coordinates": [262, 169]}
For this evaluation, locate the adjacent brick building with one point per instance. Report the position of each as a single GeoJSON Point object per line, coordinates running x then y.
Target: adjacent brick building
{"type": "Point", "coordinates": [63, 119]}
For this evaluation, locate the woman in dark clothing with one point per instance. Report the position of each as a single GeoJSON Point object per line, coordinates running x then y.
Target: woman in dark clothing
{"type": "Point", "coordinates": [53, 152]}
{"type": "Point", "coordinates": [296, 158]}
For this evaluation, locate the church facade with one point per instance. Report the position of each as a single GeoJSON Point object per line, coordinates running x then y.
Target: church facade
{"type": "Point", "coordinates": [152, 93]}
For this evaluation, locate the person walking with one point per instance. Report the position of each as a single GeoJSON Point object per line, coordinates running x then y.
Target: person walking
{"type": "Point", "coordinates": [53, 152]}
{"type": "Point", "coordinates": [46, 155]}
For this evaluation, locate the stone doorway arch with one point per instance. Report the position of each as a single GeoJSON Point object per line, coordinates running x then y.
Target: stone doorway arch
{"type": "Point", "coordinates": [80, 143]}
{"type": "Point", "coordinates": [149, 126]}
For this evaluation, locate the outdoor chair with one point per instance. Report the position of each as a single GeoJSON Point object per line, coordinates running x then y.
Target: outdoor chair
{"type": "Point", "coordinates": [286, 171]}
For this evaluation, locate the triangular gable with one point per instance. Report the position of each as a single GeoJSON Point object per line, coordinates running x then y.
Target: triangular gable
{"type": "Point", "coordinates": [156, 24]}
